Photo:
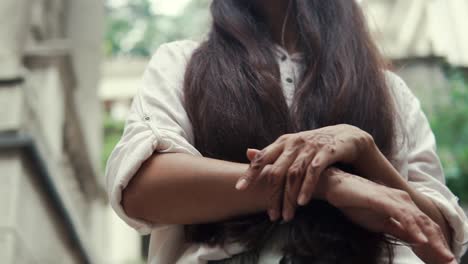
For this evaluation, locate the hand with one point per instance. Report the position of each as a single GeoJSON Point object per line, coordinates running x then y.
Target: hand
{"type": "Point", "coordinates": [386, 210]}
{"type": "Point", "coordinates": [293, 163]}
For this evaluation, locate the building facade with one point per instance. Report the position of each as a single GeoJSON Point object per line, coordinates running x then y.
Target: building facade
{"type": "Point", "coordinates": [421, 37]}
{"type": "Point", "coordinates": [52, 199]}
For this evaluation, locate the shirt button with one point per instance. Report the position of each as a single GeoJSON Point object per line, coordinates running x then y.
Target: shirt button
{"type": "Point", "coordinates": [147, 118]}
{"type": "Point", "coordinates": [289, 80]}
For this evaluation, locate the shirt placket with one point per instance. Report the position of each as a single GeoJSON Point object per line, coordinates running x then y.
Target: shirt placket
{"type": "Point", "coordinates": [288, 76]}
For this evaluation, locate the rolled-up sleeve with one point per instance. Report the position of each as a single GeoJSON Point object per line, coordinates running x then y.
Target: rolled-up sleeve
{"type": "Point", "coordinates": [423, 167]}
{"type": "Point", "coordinates": [157, 122]}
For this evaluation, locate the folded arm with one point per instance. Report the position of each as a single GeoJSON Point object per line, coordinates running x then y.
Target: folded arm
{"type": "Point", "coordinates": [176, 188]}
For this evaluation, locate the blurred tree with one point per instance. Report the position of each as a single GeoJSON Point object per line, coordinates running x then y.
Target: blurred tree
{"type": "Point", "coordinates": [450, 125]}
{"type": "Point", "coordinates": [112, 132]}
{"type": "Point", "coordinates": [133, 29]}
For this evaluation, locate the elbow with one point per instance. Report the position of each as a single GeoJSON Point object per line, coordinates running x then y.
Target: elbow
{"type": "Point", "coordinates": [131, 203]}
{"type": "Point", "coordinates": [136, 196]}
{"type": "Point", "coordinates": [140, 197]}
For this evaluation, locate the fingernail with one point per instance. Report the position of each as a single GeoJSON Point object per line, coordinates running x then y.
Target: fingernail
{"type": "Point", "coordinates": [273, 215]}
{"type": "Point", "coordinates": [241, 185]}
{"type": "Point", "coordinates": [302, 200]}
{"type": "Point", "coordinates": [316, 163]}
{"type": "Point", "coordinates": [423, 238]}
{"type": "Point", "coordinates": [450, 256]}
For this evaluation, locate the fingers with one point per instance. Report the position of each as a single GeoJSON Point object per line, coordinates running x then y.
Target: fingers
{"type": "Point", "coordinates": [294, 178]}
{"type": "Point", "coordinates": [275, 201]}
{"type": "Point", "coordinates": [266, 156]}
{"type": "Point", "coordinates": [393, 228]}
{"type": "Point", "coordinates": [251, 153]}
{"type": "Point", "coordinates": [276, 173]}
{"type": "Point", "coordinates": [308, 185]}
{"type": "Point", "coordinates": [326, 156]}
{"type": "Point", "coordinates": [276, 194]}
{"type": "Point", "coordinates": [436, 241]}
{"type": "Point", "coordinates": [412, 227]}
{"type": "Point", "coordinates": [433, 249]}
{"type": "Point", "coordinates": [323, 159]}
{"type": "Point", "coordinates": [424, 234]}
{"type": "Point", "coordinates": [405, 213]}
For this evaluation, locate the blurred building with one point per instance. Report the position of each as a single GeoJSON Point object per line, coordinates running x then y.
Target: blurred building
{"type": "Point", "coordinates": [421, 37]}
{"type": "Point", "coordinates": [52, 201]}
{"type": "Point", "coordinates": [121, 77]}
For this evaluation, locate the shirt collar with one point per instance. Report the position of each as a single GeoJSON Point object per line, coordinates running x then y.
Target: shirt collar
{"type": "Point", "coordinates": [282, 53]}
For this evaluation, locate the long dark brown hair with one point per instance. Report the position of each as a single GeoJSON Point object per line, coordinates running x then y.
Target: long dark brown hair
{"type": "Point", "coordinates": [234, 99]}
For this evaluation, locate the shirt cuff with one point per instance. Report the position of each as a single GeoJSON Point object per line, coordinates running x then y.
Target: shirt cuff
{"type": "Point", "coordinates": [454, 215]}
{"type": "Point", "coordinates": [128, 157]}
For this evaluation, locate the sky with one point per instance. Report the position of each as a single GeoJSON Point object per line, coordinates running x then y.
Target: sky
{"type": "Point", "coordinates": [165, 7]}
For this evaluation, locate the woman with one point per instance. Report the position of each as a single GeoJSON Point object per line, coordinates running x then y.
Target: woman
{"type": "Point", "coordinates": [286, 112]}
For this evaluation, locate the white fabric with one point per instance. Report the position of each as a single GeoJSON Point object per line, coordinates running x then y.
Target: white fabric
{"type": "Point", "coordinates": [158, 122]}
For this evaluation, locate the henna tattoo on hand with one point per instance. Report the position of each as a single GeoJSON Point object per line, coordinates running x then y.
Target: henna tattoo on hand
{"type": "Point", "coordinates": [322, 139]}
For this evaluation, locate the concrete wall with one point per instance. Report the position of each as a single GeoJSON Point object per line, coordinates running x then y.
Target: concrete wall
{"type": "Point", "coordinates": [52, 199]}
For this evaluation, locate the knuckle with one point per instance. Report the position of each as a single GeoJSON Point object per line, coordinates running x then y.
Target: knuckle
{"type": "Point", "coordinates": [266, 172]}
{"type": "Point", "coordinates": [298, 140]}
{"type": "Point", "coordinates": [274, 171]}
{"type": "Point", "coordinates": [405, 214]}
{"type": "Point", "coordinates": [426, 220]}
{"type": "Point", "coordinates": [259, 158]}
{"type": "Point", "coordinates": [403, 195]}
{"type": "Point", "coordinates": [310, 145]}
{"type": "Point", "coordinates": [290, 152]}
{"type": "Point", "coordinates": [283, 138]}
{"type": "Point", "coordinates": [294, 170]}
{"type": "Point", "coordinates": [366, 138]}
{"type": "Point", "coordinates": [423, 218]}
{"type": "Point", "coordinates": [374, 200]}
{"type": "Point", "coordinates": [293, 175]}
{"type": "Point", "coordinates": [409, 220]}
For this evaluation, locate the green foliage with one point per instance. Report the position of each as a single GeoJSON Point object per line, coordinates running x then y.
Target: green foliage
{"type": "Point", "coordinates": [450, 125]}
{"type": "Point", "coordinates": [133, 29]}
{"type": "Point", "coordinates": [112, 132]}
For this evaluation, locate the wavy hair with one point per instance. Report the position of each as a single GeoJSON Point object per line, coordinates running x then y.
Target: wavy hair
{"type": "Point", "coordinates": [234, 99]}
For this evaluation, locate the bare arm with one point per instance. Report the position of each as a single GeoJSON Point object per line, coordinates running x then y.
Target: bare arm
{"type": "Point", "coordinates": [177, 188]}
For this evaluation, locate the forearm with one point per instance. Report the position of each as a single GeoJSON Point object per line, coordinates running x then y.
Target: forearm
{"type": "Point", "coordinates": [178, 188]}
{"type": "Point", "coordinates": [377, 168]}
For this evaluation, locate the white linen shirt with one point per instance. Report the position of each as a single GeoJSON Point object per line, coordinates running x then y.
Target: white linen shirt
{"type": "Point", "coordinates": [159, 122]}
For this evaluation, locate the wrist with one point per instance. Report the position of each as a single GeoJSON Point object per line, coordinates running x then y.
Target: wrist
{"type": "Point", "coordinates": [368, 161]}
{"type": "Point", "coordinates": [374, 166]}
{"type": "Point", "coordinates": [260, 192]}
{"type": "Point", "coordinates": [327, 183]}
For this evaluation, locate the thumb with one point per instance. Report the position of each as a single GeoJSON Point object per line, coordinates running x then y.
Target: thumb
{"type": "Point", "coordinates": [251, 153]}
